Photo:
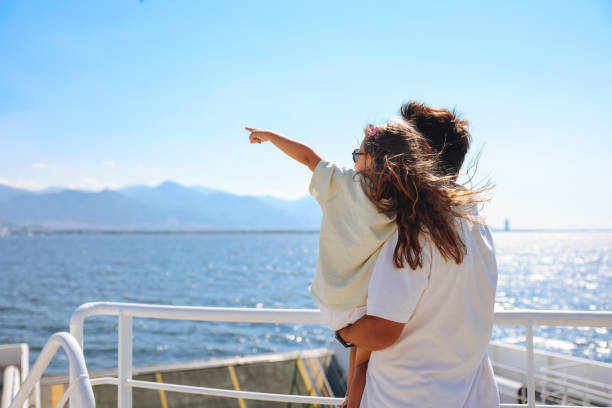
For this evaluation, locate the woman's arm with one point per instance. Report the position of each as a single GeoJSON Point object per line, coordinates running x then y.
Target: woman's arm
{"type": "Point", "coordinates": [293, 149]}
{"type": "Point", "coordinates": [372, 333]}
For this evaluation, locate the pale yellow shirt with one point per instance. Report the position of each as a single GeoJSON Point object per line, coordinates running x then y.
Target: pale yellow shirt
{"type": "Point", "coordinates": [352, 235]}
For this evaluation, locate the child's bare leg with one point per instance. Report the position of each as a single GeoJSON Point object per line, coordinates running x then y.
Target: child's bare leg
{"type": "Point", "coordinates": [358, 377]}
{"type": "Point", "coordinates": [351, 368]}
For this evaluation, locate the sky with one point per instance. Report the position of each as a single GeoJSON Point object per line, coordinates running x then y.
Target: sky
{"type": "Point", "coordinates": [107, 94]}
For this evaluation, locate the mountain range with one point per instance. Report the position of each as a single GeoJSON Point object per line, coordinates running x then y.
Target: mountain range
{"type": "Point", "coordinates": [168, 206]}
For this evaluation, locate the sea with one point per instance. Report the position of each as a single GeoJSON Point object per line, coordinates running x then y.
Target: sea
{"type": "Point", "coordinates": [44, 277]}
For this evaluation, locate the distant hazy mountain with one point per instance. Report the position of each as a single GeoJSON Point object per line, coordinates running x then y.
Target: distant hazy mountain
{"type": "Point", "coordinates": [75, 209]}
{"type": "Point", "coordinates": [204, 190]}
{"type": "Point", "coordinates": [168, 195]}
{"type": "Point", "coordinates": [9, 192]}
{"type": "Point", "coordinates": [167, 206]}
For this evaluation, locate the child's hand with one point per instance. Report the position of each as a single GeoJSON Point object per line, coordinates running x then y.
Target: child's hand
{"type": "Point", "coordinates": [296, 150]}
{"type": "Point", "coordinates": [258, 135]}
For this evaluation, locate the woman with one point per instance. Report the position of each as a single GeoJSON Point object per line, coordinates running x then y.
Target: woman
{"type": "Point", "coordinates": [429, 326]}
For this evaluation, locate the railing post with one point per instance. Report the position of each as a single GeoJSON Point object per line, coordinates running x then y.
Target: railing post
{"type": "Point", "coordinates": [83, 394]}
{"type": "Point", "coordinates": [124, 390]}
{"type": "Point", "coordinates": [76, 330]}
{"type": "Point", "coordinates": [530, 365]}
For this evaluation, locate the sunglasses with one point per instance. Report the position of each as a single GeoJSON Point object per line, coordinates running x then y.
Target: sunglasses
{"type": "Point", "coordinates": [356, 154]}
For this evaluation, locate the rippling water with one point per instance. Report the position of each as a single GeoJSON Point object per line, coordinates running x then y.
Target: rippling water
{"type": "Point", "coordinates": [44, 278]}
{"type": "Point", "coordinates": [559, 271]}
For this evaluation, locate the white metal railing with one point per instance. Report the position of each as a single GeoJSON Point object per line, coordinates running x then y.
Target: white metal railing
{"type": "Point", "coordinates": [127, 311]}
{"type": "Point", "coordinates": [10, 385]}
{"type": "Point", "coordinates": [559, 381]}
{"type": "Point", "coordinates": [79, 391]}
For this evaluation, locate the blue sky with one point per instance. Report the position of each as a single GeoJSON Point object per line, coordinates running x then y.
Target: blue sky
{"type": "Point", "coordinates": [104, 94]}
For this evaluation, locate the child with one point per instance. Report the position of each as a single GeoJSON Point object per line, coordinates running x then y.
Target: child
{"type": "Point", "coordinates": [352, 234]}
{"type": "Point", "coordinates": [396, 186]}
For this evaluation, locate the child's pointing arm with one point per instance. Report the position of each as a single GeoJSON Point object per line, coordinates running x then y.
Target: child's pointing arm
{"type": "Point", "coordinates": [295, 150]}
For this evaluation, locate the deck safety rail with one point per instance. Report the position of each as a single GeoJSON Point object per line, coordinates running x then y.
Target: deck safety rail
{"type": "Point", "coordinates": [127, 311]}
{"type": "Point", "coordinates": [79, 391]}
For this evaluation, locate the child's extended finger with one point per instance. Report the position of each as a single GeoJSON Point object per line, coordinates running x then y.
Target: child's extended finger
{"type": "Point", "coordinates": [249, 129]}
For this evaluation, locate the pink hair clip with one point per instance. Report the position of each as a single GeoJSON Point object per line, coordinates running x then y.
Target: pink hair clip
{"type": "Point", "coordinates": [371, 130]}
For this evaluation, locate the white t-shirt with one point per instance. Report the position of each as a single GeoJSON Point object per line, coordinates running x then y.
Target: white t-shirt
{"type": "Point", "coordinates": [440, 357]}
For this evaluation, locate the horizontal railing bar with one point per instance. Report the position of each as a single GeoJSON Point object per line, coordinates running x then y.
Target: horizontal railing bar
{"type": "Point", "coordinates": [313, 316]}
{"type": "Point", "coordinates": [218, 392]}
{"type": "Point", "coordinates": [104, 381]}
{"type": "Point", "coordinates": [579, 388]}
{"type": "Point", "coordinates": [263, 396]}
{"type": "Point", "coordinates": [150, 385]}
{"type": "Point", "coordinates": [586, 381]}
{"type": "Point", "coordinates": [115, 381]}
{"type": "Point", "coordinates": [561, 382]}
{"type": "Point", "coordinates": [562, 365]}
{"type": "Point", "coordinates": [547, 374]}
{"type": "Point", "coordinates": [553, 318]}
{"type": "Point", "coordinates": [200, 313]}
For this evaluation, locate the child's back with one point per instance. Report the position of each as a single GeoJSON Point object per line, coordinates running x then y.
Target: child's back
{"type": "Point", "coordinates": [352, 234]}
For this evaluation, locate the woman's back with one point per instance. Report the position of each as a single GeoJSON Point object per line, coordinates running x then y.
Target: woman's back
{"type": "Point", "coordinates": [440, 358]}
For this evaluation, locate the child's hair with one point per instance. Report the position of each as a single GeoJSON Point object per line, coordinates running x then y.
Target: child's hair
{"type": "Point", "coordinates": [446, 133]}
{"type": "Point", "coordinates": [415, 181]}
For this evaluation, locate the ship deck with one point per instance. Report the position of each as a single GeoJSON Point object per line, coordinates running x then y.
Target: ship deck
{"type": "Point", "coordinates": [309, 372]}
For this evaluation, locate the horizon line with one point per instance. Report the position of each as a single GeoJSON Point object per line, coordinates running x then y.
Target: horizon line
{"type": "Point", "coordinates": [18, 230]}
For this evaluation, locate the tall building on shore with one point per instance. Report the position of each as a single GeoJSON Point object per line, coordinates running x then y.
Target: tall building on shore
{"type": "Point", "coordinates": [507, 225]}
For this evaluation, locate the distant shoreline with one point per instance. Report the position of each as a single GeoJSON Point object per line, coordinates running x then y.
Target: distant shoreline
{"type": "Point", "coordinates": [153, 232]}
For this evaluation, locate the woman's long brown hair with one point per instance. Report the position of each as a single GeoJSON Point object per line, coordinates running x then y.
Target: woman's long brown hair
{"type": "Point", "coordinates": [406, 178]}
